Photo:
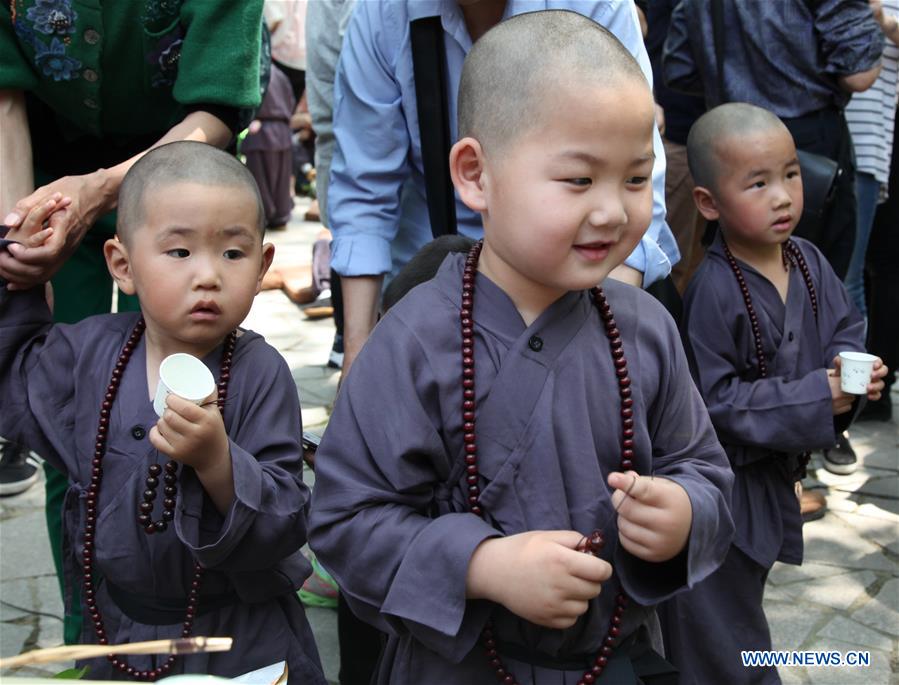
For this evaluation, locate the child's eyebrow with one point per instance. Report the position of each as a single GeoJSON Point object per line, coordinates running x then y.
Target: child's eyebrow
{"type": "Point", "coordinates": [174, 230]}
{"type": "Point", "coordinates": [593, 159]}
{"type": "Point", "coordinates": [237, 232]}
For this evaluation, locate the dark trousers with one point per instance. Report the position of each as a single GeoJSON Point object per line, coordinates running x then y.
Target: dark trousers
{"type": "Point", "coordinates": [706, 628]}
{"type": "Point", "coordinates": [360, 647]}
{"type": "Point", "coordinates": [825, 133]}
{"type": "Point", "coordinates": [271, 169]}
{"type": "Point", "coordinates": [882, 266]}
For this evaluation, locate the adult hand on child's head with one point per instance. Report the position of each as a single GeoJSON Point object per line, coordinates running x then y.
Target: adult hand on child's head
{"type": "Point", "coordinates": [654, 515]}
{"type": "Point", "coordinates": [36, 231]}
{"type": "Point", "coordinates": [539, 576]}
{"type": "Point", "coordinates": [90, 197]}
{"type": "Point", "coordinates": [192, 434]}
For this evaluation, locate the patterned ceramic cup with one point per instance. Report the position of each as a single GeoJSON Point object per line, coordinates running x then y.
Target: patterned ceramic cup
{"type": "Point", "coordinates": [185, 376]}
{"type": "Point", "coordinates": [855, 372]}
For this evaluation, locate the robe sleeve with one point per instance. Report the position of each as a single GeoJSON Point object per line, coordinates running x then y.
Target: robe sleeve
{"type": "Point", "coordinates": [685, 449]}
{"type": "Point", "coordinates": [376, 474]}
{"type": "Point", "coordinates": [267, 520]}
{"type": "Point", "coordinates": [774, 413]}
{"type": "Point", "coordinates": [38, 407]}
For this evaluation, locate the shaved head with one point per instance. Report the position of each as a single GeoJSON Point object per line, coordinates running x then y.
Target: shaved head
{"type": "Point", "coordinates": [716, 129]}
{"type": "Point", "coordinates": [512, 71]}
{"type": "Point", "coordinates": [180, 162]}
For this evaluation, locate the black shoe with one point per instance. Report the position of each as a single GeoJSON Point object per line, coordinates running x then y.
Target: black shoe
{"type": "Point", "coordinates": [18, 472]}
{"type": "Point", "coordinates": [335, 358]}
{"type": "Point", "coordinates": [840, 459]}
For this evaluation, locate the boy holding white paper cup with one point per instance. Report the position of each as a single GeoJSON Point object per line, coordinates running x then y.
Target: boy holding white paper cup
{"type": "Point", "coordinates": [764, 320]}
{"type": "Point", "coordinates": [188, 523]}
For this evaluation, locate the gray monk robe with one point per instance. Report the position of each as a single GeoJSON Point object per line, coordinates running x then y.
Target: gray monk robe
{"type": "Point", "coordinates": [389, 517]}
{"type": "Point", "coordinates": [764, 424]}
{"type": "Point", "coordinates": [52, 381]}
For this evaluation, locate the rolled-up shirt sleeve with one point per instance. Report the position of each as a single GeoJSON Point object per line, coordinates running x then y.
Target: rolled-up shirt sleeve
{"type": "Point", "coordinates": [851, 40]}
{"type": "Point", "coordinates": [370, 161]}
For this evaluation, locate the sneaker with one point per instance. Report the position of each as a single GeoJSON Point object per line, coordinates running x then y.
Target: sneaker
{"type": "Point", "coordinates": [319, 589]}
{"type": "Point", "coordinates": [335, 359]}
{"type": "Point", "coordinates": [18, 471]}
{"type": "Point", "coordinates": [840, 459]}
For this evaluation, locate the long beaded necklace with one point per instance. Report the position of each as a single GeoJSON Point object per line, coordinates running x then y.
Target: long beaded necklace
{"type": "Point", "coordinates": [93, 496]}
{"type": "Point", "coordinates": [791, 254]}
{"type": "Point", "coordinates": [595, 541]}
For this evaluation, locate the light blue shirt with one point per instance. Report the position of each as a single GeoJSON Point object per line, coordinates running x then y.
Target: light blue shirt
{"type": "Point", "coordinates": [377, 205]}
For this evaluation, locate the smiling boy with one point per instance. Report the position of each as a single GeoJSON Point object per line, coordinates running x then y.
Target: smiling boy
{"type": "Point", "coordinates": [526, 421]}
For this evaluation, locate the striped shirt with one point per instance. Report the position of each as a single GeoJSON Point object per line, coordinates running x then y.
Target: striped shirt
{"type": "Point", "coordinates": [871, 114]}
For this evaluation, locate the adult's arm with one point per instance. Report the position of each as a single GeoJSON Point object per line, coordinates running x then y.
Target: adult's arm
{"type": "Point", "coordinates": [16, 172]}
{"type": "Point", "coordinates": [657, 251]}
{"type": "Point", "coordinates": [851, 42]}
{"type": "Point", "coordinates": [92, 195]}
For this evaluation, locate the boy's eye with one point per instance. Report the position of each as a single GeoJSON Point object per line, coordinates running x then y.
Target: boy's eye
{"type": "Point", "coordinates": [581, 182]}
{"type": "Point", "coordinates": [758, 184]}
{"type": "Point", "coordinates": [178, 252]}
{"type": "Point", "coordinates": [638, 180]}
{"type": "Point", "coordinates": [234, 254]}
{"type": "Point", "coordinates": [793, 174]}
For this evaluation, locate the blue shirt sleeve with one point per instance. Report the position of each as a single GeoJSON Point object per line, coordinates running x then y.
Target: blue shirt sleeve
{"type": "Point", "coordinates": [657, 252]}
{"type": "Point", "coordinates": [370, 162]}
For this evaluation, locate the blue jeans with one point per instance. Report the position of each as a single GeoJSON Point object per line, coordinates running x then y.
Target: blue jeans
{"type": "Point", "coordinates": [867, 190]}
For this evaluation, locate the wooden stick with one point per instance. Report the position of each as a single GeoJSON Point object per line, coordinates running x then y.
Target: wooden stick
{"type": "Point", "coordinates": [189, 645]}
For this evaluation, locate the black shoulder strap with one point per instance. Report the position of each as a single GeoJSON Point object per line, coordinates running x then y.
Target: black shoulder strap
{"type": "Point", "coordinates": [718, 37]}
{"type": "Point", "coordinates": [429, 69]}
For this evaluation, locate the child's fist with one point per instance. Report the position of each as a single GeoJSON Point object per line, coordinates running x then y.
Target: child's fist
{"type": "Point", "coordinates": [539, 576]}
{"type": "Point", "coordinates": [654, 515]}
{"type": "Point", "coordinates": [194, 435]}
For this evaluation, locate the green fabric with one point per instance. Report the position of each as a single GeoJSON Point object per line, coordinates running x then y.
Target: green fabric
{"type": "Point", "coordinates": [106, 76]}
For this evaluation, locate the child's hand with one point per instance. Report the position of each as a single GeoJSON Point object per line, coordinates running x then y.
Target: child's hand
{"type": "Point", "coordinates": [654, 521]}
{"type": "Point", "coordinates": [31, 231]}
{"type": "Point", "coordinates": [875, 387]}
{"type": "Point", "coordinates": [841, 401]}
{"type": "Point", "coordinates": [194, 435]}
{"type": "Point", "coordinates": [37, 230]}
{"type": "Point", "coordinates": [539, 576]}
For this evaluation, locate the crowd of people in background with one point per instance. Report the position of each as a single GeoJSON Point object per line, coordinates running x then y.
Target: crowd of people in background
{"type": "Point", "coordinates": [399, 118]}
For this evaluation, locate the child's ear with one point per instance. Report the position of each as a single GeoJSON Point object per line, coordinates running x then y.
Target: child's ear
{"type": "Point", "coordinates": [705, 203]}
{"type": "Point", "coordinates": [119, 264]}
{"type": "Point", "coordinates": [268, 254]}
{"type": "Point", "coordinates": [467, 168]}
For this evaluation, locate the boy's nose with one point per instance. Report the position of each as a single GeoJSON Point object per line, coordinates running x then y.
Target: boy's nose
{"type": "Point", "coordinates": [608, 211]}
{"type": "Point", "coordinates": [206, 275]}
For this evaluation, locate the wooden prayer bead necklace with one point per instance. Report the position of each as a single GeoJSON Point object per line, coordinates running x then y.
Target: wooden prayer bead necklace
{"type": "Point", "coordinates": [791, 254]}
{"type": "Point", "coordinates": [93, 496]}
{"type": "Point", "coordinates": [595, 541]}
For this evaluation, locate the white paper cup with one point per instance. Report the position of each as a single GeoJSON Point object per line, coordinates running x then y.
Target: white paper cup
{"type": "Point", "coordinates": [855, 372]}
{"type": "Point", "coordinates": [183, 375]}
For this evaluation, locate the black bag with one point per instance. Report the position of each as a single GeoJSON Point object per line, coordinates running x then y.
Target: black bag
{"type": "Point", "coordinates": [819, 173]}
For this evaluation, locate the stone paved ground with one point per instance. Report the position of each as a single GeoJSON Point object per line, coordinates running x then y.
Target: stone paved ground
{"type": "Point", "coordinates": [844, 597]}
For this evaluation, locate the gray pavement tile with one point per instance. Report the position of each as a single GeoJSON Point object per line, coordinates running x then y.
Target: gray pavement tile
{"type": "Point", "coordinates": [838, 592]}
{"type": "Point", "coordinates": [889, 594]}
{"type": "Point", "coordinates": [835, 542]}
{"type": "Point", "coordinates": [877, 615]}
{"type": "Point", "coordinates": [26, 551]}
{"type": "Point", "coordinates": [781, 574]}
{"type": "Point", "coordinates": [877, 507]}
{"type": "Point", "coordinates": [880, 487]}
{"type": "Point", "coordinates": [882, 530]}
{"type": "Point", "coordinates": [324, 627]}
{"type": "Point", "coordinates": [854, 633]}
{"type": "Point", "coordinates": [790, 623]}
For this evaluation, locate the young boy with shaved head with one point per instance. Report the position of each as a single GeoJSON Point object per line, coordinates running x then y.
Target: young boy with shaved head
{"type": "Point", "coordinates": [765, 317]}
{"type": "Point", "coordinates": [209, 543]}
{"type": "Point", "coordinates": [546, 472]}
